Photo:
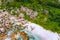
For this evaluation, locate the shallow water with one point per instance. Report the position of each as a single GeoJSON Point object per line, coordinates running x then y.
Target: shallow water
{"type": "Point", "coordinates": [41, 32]}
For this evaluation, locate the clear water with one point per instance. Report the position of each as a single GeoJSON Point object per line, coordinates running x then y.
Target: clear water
{"type": "Point", "coordinates": [32, 36]}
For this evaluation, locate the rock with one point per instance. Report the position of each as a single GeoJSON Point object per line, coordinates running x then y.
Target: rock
{"type": "Point", "coordinates": [10, 1]}
{"type": "Point", "coordinates": [35, 13]}
{"type": "Point", "coordinates": [46, 12]}
{"type": "Point", "coordinates": [0, 3]}
{"type": "Point", "coordinates": [21, 15]}
{"type": "Point", "coordinates": [24, 36]}
{"type": "Point", "coordinates": [2, 29]}
{"type": "Point", "coordinates": [23, 9]}
{"type": "Point", "coordinates": [32, 16]}
{"type": "Point", "coordinates": [7, 38]}
{"type": "Point", "coordinates": [1, 11]}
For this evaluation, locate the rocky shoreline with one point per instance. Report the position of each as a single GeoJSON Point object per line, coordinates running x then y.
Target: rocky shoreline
{"type": "Point", "coordinates": [7, 20]}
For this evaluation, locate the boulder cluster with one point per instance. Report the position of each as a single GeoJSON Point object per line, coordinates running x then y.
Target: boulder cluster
{"type": "Point", "coordinates": [11, 24]}
{"type": "Point", "coordinates": [4, 22]}
{"type": "Point", "coordinates": [29, 12]}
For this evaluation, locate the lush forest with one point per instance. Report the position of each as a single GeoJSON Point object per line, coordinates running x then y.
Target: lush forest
{"type": "Point", "coordinates": [48, 11]}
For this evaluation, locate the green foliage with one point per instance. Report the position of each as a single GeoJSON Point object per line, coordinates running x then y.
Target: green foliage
{"type": "Point", "coordinates": [52, 18]}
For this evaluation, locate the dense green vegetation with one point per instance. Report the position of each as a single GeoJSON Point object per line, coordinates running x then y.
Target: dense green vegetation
{"type": "Point", "coordinates": [50, 20]}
